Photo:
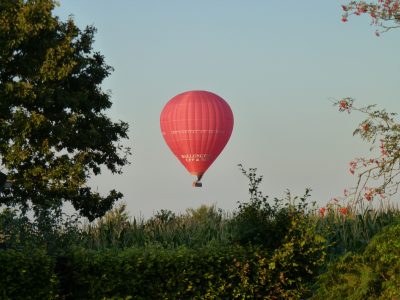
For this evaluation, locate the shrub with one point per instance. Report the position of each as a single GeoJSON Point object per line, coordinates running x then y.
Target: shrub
{"type": "Point", "coordinates": [183, 273]}
{"type": "Point", "coordinates": [157, 273]}
{"type": "Point", "coordinates": [383, 254]}
{"type": "Point", "coordinates": [373, 274]}
{"type": "Point", "coordinates": [295, 264]}
{"type": "Point", "coordinates": [287, 230]}
{"type": "Point", "coordinates": [26, 275]}
{"type": "Point", "coordinates": [257, 222]}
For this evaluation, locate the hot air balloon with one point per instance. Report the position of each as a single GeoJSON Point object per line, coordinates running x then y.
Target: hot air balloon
{"type": "Point", "coordinates": [196, 126]}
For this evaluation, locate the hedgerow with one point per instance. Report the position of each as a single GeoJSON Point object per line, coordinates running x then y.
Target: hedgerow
{"type": "Point", "coordinates": [372, 274]}
{"type": "Point", "coordinates": [27, 275]}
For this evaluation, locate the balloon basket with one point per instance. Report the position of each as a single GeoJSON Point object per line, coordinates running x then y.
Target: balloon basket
{"type": "Point", "coordinates": [197, 184]}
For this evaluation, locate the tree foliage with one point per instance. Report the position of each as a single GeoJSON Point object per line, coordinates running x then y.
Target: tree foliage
{"type": "Point", "coordinates": [53, 131]}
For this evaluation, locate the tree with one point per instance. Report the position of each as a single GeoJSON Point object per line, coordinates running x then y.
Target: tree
{"type": "Point", "coordinates": [385, 14]}
{"type": "Point", "coordinates": [53, 131]}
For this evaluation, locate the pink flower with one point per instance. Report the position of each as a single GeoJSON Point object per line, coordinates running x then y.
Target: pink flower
{"type": "Point", "coordinates": [343, 104]}
{"type": "Point", "coordinates": [365, 127]}
{"type": "Point", "coordinates": [383, 149]}
{"type": "Point", "coordinates": [369, 194]}
{"type": "Point", "coordinates": [344, 19]}
{"type": "Point", "coordinates": [395, 6]}
{"type": "Point", "coordinates": [362, 9]}
{"type": "Point", "coordinates": [353, 166]}
{"type": "Point", "coordinates": [346, 103]}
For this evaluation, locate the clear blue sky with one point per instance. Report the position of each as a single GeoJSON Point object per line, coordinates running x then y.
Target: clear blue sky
{"type": "Point", "coordinates": [275, 62]}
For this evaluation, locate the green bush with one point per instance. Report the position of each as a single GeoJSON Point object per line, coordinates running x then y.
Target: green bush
{"type": "Point", "coordinates": [295, 264]}
{"type": "Point", "coordinates": [26, 275]}
{"type": "Point", "coordinates": [212, 272]}
{"type": "Point", "coordinates": [258, 222]}
{"type": "Point", "coordinates": [373, 274]}
{"type": "Point", "coordinates": [157, 273]}
{"type": "Point", "coordinates": [383, 254]}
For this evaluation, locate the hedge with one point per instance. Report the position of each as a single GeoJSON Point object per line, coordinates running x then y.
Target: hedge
{"type": "Point", "coordinates": [373, 274]}
{"type": "Point", "coordinates": [27, 275]}
{"type": "Point", "coordinates": [153, 273]}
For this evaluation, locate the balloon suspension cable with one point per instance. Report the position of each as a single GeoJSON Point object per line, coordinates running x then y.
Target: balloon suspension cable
{"type": "Point", "coordinates": [197, 183]}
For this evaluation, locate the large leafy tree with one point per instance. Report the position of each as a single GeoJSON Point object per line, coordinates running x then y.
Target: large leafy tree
{"type": "Point", "coordinates": [53, 131]}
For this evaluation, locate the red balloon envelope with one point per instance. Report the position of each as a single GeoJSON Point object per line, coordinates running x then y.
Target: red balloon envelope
{"type": "Point", "coordinates": [196, 126]}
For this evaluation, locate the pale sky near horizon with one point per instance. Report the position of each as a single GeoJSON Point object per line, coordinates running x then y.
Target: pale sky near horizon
{"type": "Point", "coordinates": [277, 64]}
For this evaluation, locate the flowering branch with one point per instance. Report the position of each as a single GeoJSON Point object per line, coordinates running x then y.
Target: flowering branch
{"type": "Point", "coordinates": [382, 171]}
{"type": "Point", "coordinates": [384, 13]}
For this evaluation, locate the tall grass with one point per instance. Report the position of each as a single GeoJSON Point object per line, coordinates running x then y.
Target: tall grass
{"type": "Point", "coordinates": [353, 231]}
{"type": "Point", "coordinates": [195, 228]}
{"type": "Point", "coordinates": [256, 221]}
